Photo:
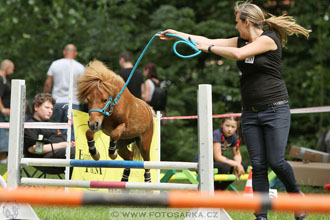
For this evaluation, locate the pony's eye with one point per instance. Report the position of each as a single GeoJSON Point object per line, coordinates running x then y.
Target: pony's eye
{"type": "Point", "coordinates": [105, 100]}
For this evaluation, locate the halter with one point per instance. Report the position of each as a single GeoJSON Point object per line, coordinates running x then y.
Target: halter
{"type": "Point", "coordinates": [111, 103]}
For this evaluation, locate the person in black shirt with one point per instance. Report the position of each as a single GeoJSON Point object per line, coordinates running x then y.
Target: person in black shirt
{"type": "Point", "coordinates": [6, 69]}
{"type": "Point", "coordinates": [134, 86]}
{"type": "Point", "coordinates": [54, 143]}
{"type": "Point", "coordinates": [265, 107]}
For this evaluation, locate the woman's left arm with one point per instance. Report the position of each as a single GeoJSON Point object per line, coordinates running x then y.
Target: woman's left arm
{"type": "Point", "coordinates": [261, 45]}
{"type": "Point", "coordinates": [237, 155]}
{"type": "Point", "coordinates": [146, 91]}
{"type": "Point", "coordinates": [238, 158]}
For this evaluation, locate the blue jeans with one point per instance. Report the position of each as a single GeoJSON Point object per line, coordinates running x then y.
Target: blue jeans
{"type": "Point", "coordinates": [266, 134]}
{"type": "Point", "coordinates": [60, 114]}
{"type": "Point", "coordinates": [4, 136]}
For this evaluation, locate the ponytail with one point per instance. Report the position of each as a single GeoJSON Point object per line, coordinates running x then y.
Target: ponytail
{"type": "Point", "coordinates": [285, 26]}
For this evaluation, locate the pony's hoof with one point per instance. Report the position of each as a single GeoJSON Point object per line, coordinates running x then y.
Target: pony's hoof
{"type": "Point", "coordinates": [124, 180]}
{"type": "Point", "coordinates": [147, 177]}
{"type": "Point", "coordinates": [96, 156]}
{"type": "Point", "coordinates": [113, 156]}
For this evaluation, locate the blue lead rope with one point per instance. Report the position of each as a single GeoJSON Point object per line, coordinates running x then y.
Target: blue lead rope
{"type": "Point", "coordinates": [190, 43]}
{"type": "Point", "coordinates": [111, 104]}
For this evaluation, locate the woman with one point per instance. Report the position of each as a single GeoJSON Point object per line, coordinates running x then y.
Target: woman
{"type": "Point", "coordinates": [265, 107]}
{"type": "Point", "coordinates": [152, 81]}
{"type": "Point", "coordinates": [224, 138]}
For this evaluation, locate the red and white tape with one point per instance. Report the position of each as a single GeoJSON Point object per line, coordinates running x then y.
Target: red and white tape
{"type": "Point", "coordinates": [50, 125]}
{"type": "Point", "coordinates": [293, 111]}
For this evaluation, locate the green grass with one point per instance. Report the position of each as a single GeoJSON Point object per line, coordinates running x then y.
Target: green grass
{"type": "Point", "coordinates": [241, 215]}
{"type": "Point", "coordinates": [136, 213]}
{"type": "Point", "coordinates": [74, 213]}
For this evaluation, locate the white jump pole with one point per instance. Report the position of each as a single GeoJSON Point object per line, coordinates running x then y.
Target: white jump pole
{"type": "Point", "coordinates": [107, 184]}
{"type": "Point", "coordinates": [159, 121]}
{"type": "Point", "coordinates": [16, 131]}
{"type": "Point", "coordinates": [205, 150]}
{"type": "Point", "coordinates": [68, 147]}
{"type": "Point", "coordinates": [205, 138]}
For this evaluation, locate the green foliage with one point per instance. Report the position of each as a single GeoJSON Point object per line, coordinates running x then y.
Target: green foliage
{"type": "Point", "coordinates": [34, 32]}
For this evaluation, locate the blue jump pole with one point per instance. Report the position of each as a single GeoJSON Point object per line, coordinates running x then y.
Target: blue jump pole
{"type": "Point", "coordinates": [107, 163]}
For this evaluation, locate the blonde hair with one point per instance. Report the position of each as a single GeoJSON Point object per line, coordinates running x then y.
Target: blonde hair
{"type": "Point", "coordinates": [283, 26]}
{"type": "Point", "coordinates": [98, 76]}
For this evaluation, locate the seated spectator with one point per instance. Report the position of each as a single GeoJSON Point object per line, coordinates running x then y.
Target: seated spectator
{"type": "Point", "coordinates": [54, 143]}
{"type": "Point", "coordinates": [224, 138]}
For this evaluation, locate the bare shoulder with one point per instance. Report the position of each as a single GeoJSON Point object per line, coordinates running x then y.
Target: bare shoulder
{"type": "Point", "coordinates": [266, 40]}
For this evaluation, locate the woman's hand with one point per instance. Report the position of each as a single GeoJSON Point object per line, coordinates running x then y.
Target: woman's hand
{"type": "Point", "coordinates": [238, 171]}
{"type": "Point", "coordinates": [203, 47]}
{"type": "Point", "coordinates": [163, 35]}
{"type": "Point", "coordinates": [32, 149]}
{"type": "Point", "coordinates": [5, 111]}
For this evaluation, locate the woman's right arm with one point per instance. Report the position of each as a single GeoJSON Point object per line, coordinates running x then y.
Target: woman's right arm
{"type": "Point", "coordinates": [48, 148]}
{"type": "Point", "coordinates": [5, 111]}
{"type": "Point", "coordinates": [230, 42]}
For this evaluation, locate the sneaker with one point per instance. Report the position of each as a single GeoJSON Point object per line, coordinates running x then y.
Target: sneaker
{"type": "Point", "coordinates": [261, 218]}
{"type": "Point", "coordinates": [300, 215]}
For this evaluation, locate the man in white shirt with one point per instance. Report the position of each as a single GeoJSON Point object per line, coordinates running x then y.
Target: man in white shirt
{"type": "Point", "coordinates": [58, 80]}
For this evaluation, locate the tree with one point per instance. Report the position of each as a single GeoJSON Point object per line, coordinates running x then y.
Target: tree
{"type": "Point", "coordinates": [34, 32]}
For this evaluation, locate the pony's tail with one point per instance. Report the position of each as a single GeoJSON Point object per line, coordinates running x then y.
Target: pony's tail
{"type": "Point", "coordinates": [136, 152]}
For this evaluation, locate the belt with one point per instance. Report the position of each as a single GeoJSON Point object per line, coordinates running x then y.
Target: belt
{"type": "Point", "coordinates": [259, 108]}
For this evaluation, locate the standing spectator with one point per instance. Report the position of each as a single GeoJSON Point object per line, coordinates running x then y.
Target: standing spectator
{"type": "Point", "coordinates": [125, 62]}
{"type": "Point", "coordinates": [6, 69]}
{"type": "Point", "coordinates": [148, 88]}
{"type": "Point", "coordinates": [265, 101]}
{"type": "Point", "coordinates": [151, 91]}
{"type": "Point", "coordinates": [58, 81]}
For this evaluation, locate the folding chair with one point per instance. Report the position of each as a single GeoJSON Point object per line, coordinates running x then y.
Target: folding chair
{"type": "Point", "coordinates": [41, 172]}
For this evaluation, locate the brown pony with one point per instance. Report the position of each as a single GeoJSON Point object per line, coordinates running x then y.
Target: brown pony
{"type": "Point", "coordinates": [130, 120]}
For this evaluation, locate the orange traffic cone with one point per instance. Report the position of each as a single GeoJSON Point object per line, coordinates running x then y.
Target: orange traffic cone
{"type": "Point", "coordinates": [248, 191]}
{"type": "Point", "coordinates": [327, 186]}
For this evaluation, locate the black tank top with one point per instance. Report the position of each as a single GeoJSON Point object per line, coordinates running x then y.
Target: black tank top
{"type": "Point", "coordinates": [261, 80]}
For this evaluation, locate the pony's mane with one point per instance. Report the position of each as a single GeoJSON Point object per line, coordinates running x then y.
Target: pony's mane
{"type": "Point", "coordinates": [97, 75]}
